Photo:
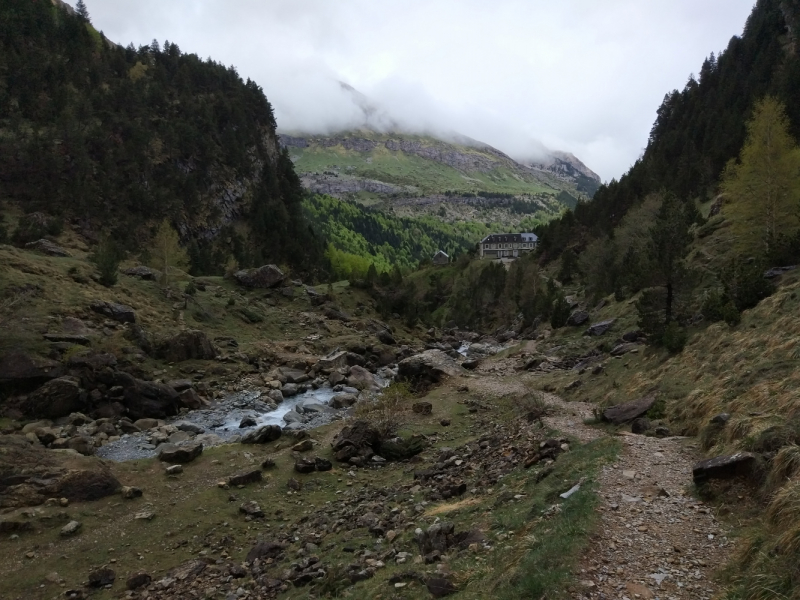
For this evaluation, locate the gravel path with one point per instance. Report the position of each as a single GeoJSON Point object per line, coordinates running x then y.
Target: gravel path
{"type": "Point", "coordinates": [655, 541]}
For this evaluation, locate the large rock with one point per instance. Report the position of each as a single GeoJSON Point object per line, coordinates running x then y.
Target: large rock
{"type": "Point", "coordinates": [741, 464]}
{"type": "Point", "coordinates": [599, 328]}
{"type": "Point", "coordinates": [621, 349]}
{"type": "Point", "coordinates": [343, 401]}
{"type": "Point", "coordinates": [335, 360]}
{"type": "Point", "coordinates": [143, 272]}
{"type": "Point", "coordinates": [145, 399]}
{"type": "Point", "coordinates": [267, 276]}
{"type": "Point", "coordinates": [47, 247]}
{"type": "Point", "coordinates": [170, 453]}
{"type": "Point", "coordinates": [262, 435]}
{"type": "Point", "coordinates": [265, 550]}
{"type": "Point", "coordinates": [361, 379]}
{"type": "Point", "coordinates": [22, 371]}
{"type": "Point", "coordinates": [56, 398]}
{"type": "Point", "coordinates": [360, 438]}
{"type": "Point", "coordinates": [30, 474]}
{"type": "Point", "coordinates": [431, 365]}
{"type": "Point", "coordinates": [622, 413]}
{"type": "Point", "coordinates": [187, 345]}
{"type": "Point", "coordinates": [579, 317]}
{"type": "Point", "coordinates": [117, 312]}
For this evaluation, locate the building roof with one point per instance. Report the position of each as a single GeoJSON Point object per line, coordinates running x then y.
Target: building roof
{"type": "Point", "coordinates": [513, 238]}
{"type": "Point", "coordinates": [441, 253]}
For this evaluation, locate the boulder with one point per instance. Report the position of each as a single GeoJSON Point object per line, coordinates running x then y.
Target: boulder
{"type": "Point", "coordinates": [439, 587]}
{"type": "Point", "coordinates": [245, 478]}
{"type": "Point", "coordinates": [351, 440]}
{"type": "Point", "coordinates": [138, 580]}
{"type": "Point", "coordinates": [623, 413]}
{"type": "Point", "coordinates": [30, 474]}
{"type": "Point", "coordinates": [143, 272]}
{"type": "Point", "coordinates": [621, 349]}
{"type": "Point", "coordinates": [334, 313]}
{"type": "Point", "coordinates": [305, 465]}
{"type": "Point", "coordinates": [47, 247]}
{"type": "Point", "coordinates": [252, 509]}
{"type": "Point", "coordinates": [289, 389]}
{"type": "Point", "coordinates": [22, 371]}
{"type": "Point", "coordinates": [342, 401]}
{"type": "Point", "coordinates": [267, 276]}
{"type": "Point", "coordinates": [262, 435]}
{"type": "Point", "coordinates": [121, 313]}
{"type": "Point", "coordinates": [145, 399]}
{"type": "Point", "coordinates": [265, 550]}
{"type": "Point", "coordinates": [599, 328]}
{"type": "Point", "coordinates": [361, 379]}
{"type": "Point", "coordinates": [56, 398]}
{"type": "Point", "coordinates": [431, 365]}
{"type": "Point", "coordinates": [191, 344]}
{"type": "Point", "coordinates": [335, 360]}
{"type": "Point", "coordinates": [741, 464]}
{"type": "Point", "coordinates": [179, 454]}
{"type": "Point", "coordinates": [640, 425]}
{"type": "Point", "coordinates": [577, 318]}
{"type": "Point", "coordinates": [102, 578]}
{"type": "Point", "coordinates": [385, 337]}
{"type": "Point", "coordinates": [322, 464]}
{"type": "Point", "coordinates": [190, 399]}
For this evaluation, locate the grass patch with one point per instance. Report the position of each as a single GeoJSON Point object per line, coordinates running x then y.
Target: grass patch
{"type": "Point", "coordinates": [547, 541]}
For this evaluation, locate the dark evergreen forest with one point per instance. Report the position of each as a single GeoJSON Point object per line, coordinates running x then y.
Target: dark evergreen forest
{"type": "Point", "coordinates": [117, 139]}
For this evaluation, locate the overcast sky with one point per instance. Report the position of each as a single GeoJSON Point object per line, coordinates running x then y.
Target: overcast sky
{"type": "Point", "coordinates": [584, 76]}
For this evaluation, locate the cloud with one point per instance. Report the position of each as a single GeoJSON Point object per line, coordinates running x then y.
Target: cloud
{"type": "Point", "coordinates": [576, 75]}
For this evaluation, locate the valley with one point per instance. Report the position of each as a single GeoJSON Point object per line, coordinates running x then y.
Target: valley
{"type": "Point", "coordinates": [230, 368]}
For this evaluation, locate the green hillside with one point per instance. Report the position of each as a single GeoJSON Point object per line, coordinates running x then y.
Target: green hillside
{"type": "Point", "coordinates": [419, 174]}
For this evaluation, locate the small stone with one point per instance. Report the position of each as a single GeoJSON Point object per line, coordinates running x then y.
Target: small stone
{"type": "Point", "coordinates": [129, 492]}
{"type": "Point", "coordinates": [629, 474]}
{"type": "Point", "coordinates": [138, 580]}
{"type": "Point", "coordinates": [174, 469]}
{"type": "Point", "coordinates": [71, 528]}
{"type": "Point", "coordinates": [145, 515]}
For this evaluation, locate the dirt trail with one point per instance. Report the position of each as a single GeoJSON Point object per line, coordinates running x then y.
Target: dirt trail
{"type": "Point", "coordinates": [655, 540]}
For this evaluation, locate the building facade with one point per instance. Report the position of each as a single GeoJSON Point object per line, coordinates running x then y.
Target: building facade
{"type": "Point", "coordinates": [507, 245]}
{"type": "Point", "coordinates": [441, 258]}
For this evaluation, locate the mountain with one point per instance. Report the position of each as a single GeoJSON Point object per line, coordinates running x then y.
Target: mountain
{"type": "Point", "coordinates": [114, 140]}
{"type": "Point", "coordinates": [702, 127]}
{"type": "Point", "coordinates": [381, 162]}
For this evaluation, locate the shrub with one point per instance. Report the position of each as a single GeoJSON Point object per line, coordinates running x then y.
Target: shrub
{"type": "Point", "coordinates": [190, 289]}
{"type": "Point", "coordinates": [745, 284]}
{"type": "Point", "coordinates": [718, 307]}
{"type": "Point", "coordinates": [388, 412]}
{"type": "Point", "coordinates": [35, 226]}
{"type": "Point", "coordinates": [675, 337]}
{"type": "Point", "coordinates": [106, 258]}
{"type": "Point", "coordinates": [561, 312]}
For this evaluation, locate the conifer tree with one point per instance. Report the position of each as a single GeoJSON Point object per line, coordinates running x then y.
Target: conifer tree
{"type": "Point", "coordinates": [166, 253]}
{"type": "Point", "coordinates": [82, 11]}
{"type": "Point", "coordinates": [763, 187]}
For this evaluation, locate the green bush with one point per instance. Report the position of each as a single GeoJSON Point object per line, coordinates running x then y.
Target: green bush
{"type": "Point", "coordinates": [675, 337]}
{"type": "Point", "coordinates": [106, 258]}
{"type": "Point", "coordinates": [745, 284]}
{"type": "Point", "coordinates": [561, 312]}
{"type": "Point", "coordinates": [718, 307]}
{"type": "Point", "coordinates": [35, 226]}
{"type": "Point", "coordinates": [190, 289]}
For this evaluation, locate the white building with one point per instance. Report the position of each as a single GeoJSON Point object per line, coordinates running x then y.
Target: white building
{"type": "Point", "coordinates": [507, 245]}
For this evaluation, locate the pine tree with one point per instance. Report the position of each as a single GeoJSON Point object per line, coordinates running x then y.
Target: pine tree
{"type": "Point", "coordinates": [82, 11]}
{"type": "Point", "coordinates": [763, 188]}
{"type": "Point", "coordinates": [166, 253]}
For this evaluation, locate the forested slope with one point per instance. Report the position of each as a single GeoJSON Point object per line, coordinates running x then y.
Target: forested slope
{"type": "Point", "coordinates": [117, 139]}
